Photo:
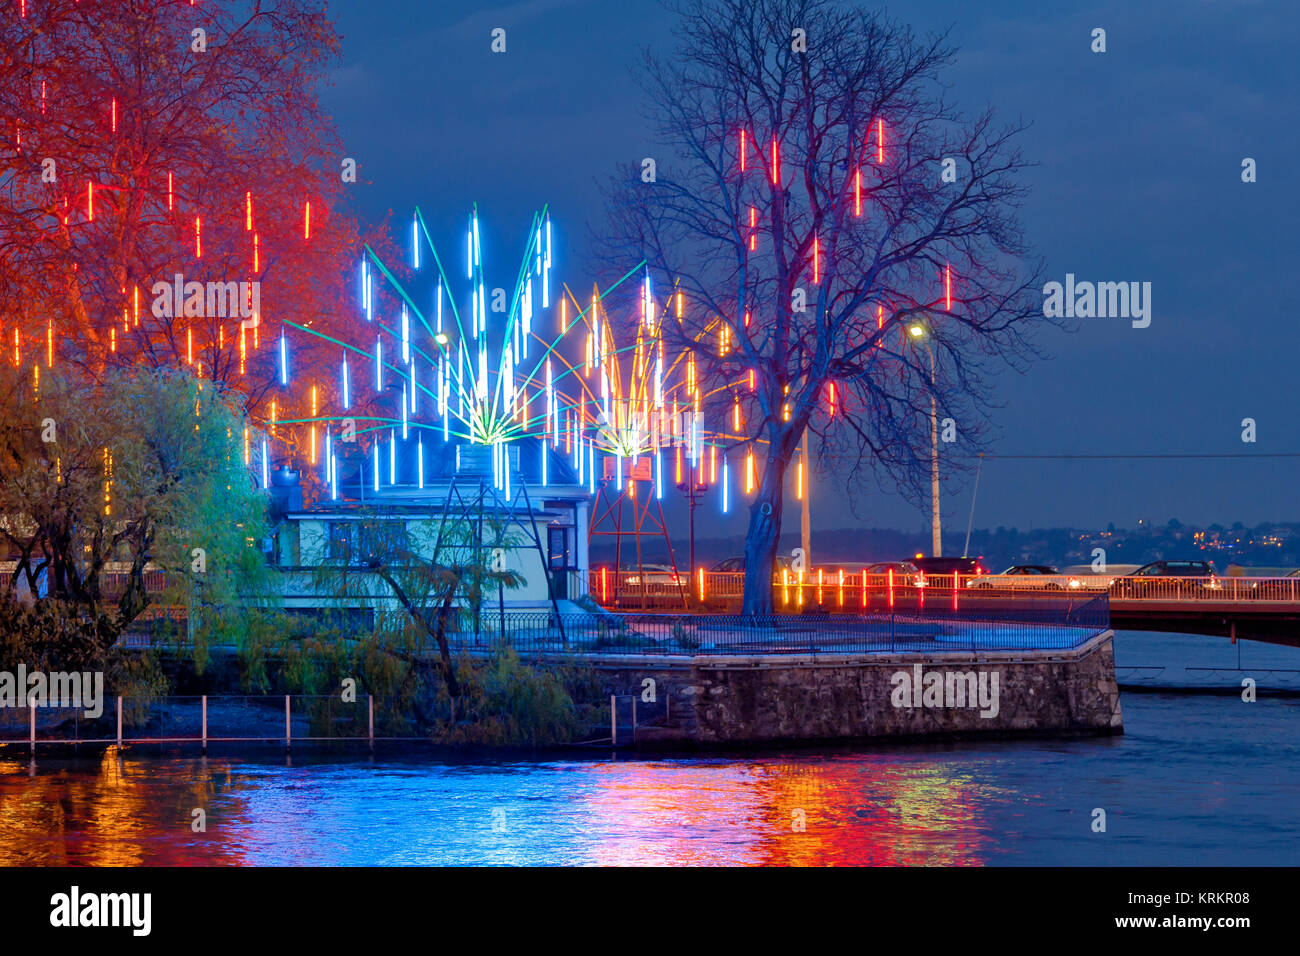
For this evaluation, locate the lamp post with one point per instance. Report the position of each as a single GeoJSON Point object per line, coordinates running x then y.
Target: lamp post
{"type": "Point", "coordinates": [918, 331]}
{"type": "Point", "coordinates": [694, 488]}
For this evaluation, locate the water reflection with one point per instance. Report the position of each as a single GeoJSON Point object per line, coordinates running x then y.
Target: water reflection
{"type": "Point", "coordinates": [820, 810]}
{"type": "Point", "coordinates": [113, 812]}
{"type": "Point", "coordinates": [1182, 786]}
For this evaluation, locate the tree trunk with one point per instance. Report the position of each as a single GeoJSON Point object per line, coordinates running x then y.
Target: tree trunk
{"type": "Point", "coordinates": [440, 635]}
{"type": "Point", "coordinates": [762, 537]}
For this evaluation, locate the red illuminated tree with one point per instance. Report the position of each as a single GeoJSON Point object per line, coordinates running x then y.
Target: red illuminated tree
{"type": "Point", "coordinates": [150, 138]}
{"type": "Point", "coordinates": [805, 144]}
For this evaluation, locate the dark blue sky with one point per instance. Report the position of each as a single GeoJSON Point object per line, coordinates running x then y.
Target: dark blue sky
{"type": "Point", "coordinates": [1139, 152]}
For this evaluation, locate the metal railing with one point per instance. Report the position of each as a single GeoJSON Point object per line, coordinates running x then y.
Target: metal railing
{"type": "Point", "coordinates": [1052, 623]}
{"type": "Point", "coordinates": [836, 590]}
{"type": "Point", "coordinates": [203, 720]}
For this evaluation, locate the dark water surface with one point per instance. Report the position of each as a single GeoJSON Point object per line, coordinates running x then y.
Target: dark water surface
{"type": "Point", "coordinates": [1196, 779]}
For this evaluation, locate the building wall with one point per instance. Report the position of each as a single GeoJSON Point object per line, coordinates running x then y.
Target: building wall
{"type": "Point", "coordinates": [304, 543]}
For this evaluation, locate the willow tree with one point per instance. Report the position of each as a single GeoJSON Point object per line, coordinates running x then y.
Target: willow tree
{"type": "Point", "coordinates": [846, 242]}
{"type": "Point", "coordinates": [95, 496]}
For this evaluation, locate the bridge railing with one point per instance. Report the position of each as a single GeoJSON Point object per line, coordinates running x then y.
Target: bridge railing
{"type": "Point", "coordinates": [838, 589]}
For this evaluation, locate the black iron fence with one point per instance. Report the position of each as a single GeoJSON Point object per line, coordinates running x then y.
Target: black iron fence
{"type": "Point", "coordinates": [1046, 623]}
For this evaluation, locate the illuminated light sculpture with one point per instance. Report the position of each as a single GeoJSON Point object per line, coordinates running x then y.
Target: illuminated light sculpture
{"type": "Point", "coordinates": [467, 372]}
{"type": "Point", "coordinates": [632, 407]}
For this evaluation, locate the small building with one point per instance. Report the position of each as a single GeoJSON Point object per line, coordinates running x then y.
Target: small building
{"type": "Point", "coordinates": [431, 485]}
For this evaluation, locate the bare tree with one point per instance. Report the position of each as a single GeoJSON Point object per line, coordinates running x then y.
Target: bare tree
{"type": "Point", "coordinates": [846, 242]}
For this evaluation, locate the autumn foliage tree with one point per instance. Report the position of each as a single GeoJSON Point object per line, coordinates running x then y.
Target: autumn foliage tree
{"type": "Point", "coordinates": [835, 225]}
{"type": "Point", "coordinates": [143, 139]}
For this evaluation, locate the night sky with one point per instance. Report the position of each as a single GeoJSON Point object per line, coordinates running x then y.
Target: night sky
{"type": "Point", "coordinates": [1139, 154]}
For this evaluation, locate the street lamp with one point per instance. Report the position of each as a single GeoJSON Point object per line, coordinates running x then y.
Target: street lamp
{"type": "Point", "coordinates": [918, 331]}
{"type": "Point", "coordinates": [694, 488]}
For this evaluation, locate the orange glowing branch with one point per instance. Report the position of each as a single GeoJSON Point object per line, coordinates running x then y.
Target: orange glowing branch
{"type": "Point", "coordinates": [248, 212]}
{"type": "Point", "coordinates": [306, 221]}
{"type": "Point", "coordinates": [198, 238]}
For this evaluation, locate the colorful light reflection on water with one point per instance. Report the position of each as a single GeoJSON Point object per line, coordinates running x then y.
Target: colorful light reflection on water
{"type": "Point", "coordinates": [1195, 780]}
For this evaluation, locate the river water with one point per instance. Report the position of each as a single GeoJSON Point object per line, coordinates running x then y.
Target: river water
{"type": "Point", "coordinates": [1196, 779]}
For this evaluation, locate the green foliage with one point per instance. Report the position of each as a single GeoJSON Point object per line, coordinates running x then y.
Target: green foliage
{"type": "Point", "coordinates": [507, 703]}
{"type": "Point", "coordinates": [425, 581]}
{"type": "Point", "coordinates": [683, 637]}
{"type": "Point", "coordinates": [103, 483]}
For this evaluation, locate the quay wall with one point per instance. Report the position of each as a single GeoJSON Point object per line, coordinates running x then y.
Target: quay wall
{"type": "Point", "coordinates": [786, 699]}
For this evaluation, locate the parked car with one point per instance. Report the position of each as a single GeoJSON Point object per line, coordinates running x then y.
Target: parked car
{"type": "Point", "coordinates": [655, 574]}
{"type": "Point", "coordinates": [737, 563]}
{"type": "Point", "coordinates": [1021, 576]}
{"type": "Point", "coordinates": [1155, 579]}
{"type": "Point", "coordinates": [931, 567]}
{"type": "Point", "coordinates": [950, 565]}
{"type": "Point", "coordinates": [905, 572]}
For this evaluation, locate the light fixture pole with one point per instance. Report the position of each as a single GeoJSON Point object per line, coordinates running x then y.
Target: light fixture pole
{"type": "Point", "coordinates": [936, 527]}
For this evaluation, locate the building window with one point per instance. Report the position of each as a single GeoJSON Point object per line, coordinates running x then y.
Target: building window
{"type": "Point", "coordinates": [340, 538]}
{"type": "Point", "coordinates": [386, 538]}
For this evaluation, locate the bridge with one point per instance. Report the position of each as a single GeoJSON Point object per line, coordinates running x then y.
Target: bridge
{"type": "Point", "coordinates": [1237, 607]}
{"type": "Point", "coordinates": [1247, 608]}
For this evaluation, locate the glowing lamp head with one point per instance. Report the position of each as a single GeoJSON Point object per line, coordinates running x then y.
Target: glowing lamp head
{"type": "Point", "coordinates": [440, 339]}
{"type": "Point", "coordinates": [916, 331]}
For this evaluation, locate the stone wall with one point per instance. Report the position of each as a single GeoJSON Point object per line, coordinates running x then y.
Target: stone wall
{"type": "Point", "coordinates": [775, 699]}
